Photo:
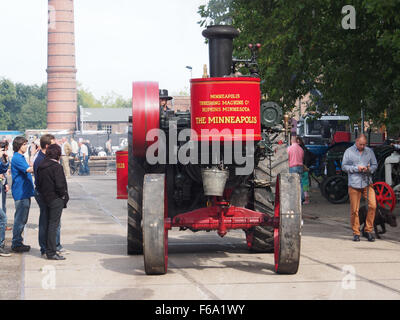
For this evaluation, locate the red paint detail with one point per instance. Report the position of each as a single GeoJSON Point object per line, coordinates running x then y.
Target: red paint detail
{"type": "Point", "coordinates": [385, 195]}
{"type": "Point", "coordinates": [280, 142]}
{"type": "Point", "coordinates": [210, 109]}
{"type": "Point", "coordinates": [228, 193]}
{"type": "Point", "coordinates": [221, 219]}
{"type": "Point", "coordinates": [122, 174]}
{"type": "Point", "coordinates": [341, 136]}
{"type": "Point", "coordinates": [249, 238]}
{"type": "Point", "coordinates": [276, 227]}
{"type": "Point", "coordinates": [145, 114]}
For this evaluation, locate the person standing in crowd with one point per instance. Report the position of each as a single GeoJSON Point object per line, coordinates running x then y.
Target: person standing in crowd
{"type": "Point", "coordinates": [52, 186]}
{"type": "Point", "coordinates": [84, 157]}
{"type": "Point", "coordinates": [74, 153]}
{"type": "Point", "coordinates": [45, 141]}
{"type": "Point", "coordinates": [108, 148]}
{"type": "Point", "coordinates": [66, 150]}
{"type": "Point", "coordinates": [32, 152]}
{"type": "Point", "coordinates": [308, 160]}
{"type": "Point", "coordinates": [4, 164]}
{"type": "Point", "coordinates": [74, 147]}
{"type": "Point", "coordinates": [164, 98]}
{"type": "Point", "coordinates": [4, 187]}
{"type": "Point", "coordinates": [296, 157]}
{"type": "Point", "coordinates": [10, 151]}
{"type": "Point", "coordinates": [359, 162]}
{"type": "Point", "coordinates": [22, 191]}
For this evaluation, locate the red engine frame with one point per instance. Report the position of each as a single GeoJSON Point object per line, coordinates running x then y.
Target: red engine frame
{"type": "Point", "coordinates": [221, 217]}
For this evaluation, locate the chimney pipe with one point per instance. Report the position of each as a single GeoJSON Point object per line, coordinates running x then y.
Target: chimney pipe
{"type": "Point", "coordinates": [220, 48]}
{"type": "Point", "coordinates": [61, 70]}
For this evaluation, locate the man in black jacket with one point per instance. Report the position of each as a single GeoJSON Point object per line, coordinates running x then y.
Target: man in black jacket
{"type": "Point", "coordinates": [53, 188]}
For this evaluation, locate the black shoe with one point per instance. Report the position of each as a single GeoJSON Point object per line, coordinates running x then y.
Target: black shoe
{"type": "Point", "coordinates": [56, 257]}
{"type": "Point", "coordinates": [22, 248]}
{"type": "Point", "coordinates": [356, 238]}
{"type": "Point", "coordinates": [370, 237]}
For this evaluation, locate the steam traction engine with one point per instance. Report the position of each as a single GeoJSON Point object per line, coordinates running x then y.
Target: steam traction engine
{"type": "Point", "coordinates": [191, 170]}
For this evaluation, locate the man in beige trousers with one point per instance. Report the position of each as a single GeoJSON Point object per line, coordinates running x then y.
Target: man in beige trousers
{"type": "Point", "coordinates": [65, 153]}
{"type": "Point", "coordinates": [360, 163]}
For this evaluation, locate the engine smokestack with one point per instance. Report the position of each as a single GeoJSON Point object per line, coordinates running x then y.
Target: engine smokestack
{"type": "Point", "coordinates": [220, 48]}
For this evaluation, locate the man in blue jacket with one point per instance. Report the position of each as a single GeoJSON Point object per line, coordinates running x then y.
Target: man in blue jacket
{"type": "Point", "coordinates": [4, 164]}
{"type": "Point", "coordinates": [22, 191]}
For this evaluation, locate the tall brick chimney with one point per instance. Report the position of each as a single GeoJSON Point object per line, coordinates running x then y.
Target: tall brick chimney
{"type": "Point", "coordinates": [61, 71]}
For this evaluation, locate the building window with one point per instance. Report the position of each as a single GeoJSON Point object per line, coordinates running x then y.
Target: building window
{"type": "Point", "coordinates": [107, 128]}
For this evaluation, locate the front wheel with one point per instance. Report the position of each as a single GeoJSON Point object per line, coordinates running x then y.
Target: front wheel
{"type": "Point", "coordinates": [287, 235]}
{"type": "Point", "coordinates": [155, 233]}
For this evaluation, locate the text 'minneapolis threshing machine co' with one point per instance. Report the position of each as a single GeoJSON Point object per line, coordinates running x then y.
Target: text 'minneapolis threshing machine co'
{"type": "Point", "coordinates": [221, 166]}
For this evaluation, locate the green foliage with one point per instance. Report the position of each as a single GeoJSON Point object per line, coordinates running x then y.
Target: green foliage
{"type": "Point", "coordinates": [216, 12]}
{"type": "Point", "coordinates": [33, 114]}
{"type": "Point", "coordinates": [4, 118]}
{"type": "Point", "coordinates": [24, 106]}
{"type": "Point", "coordinates": [304, 47]}
{"type": "Point", "coordinates": [87, 100]}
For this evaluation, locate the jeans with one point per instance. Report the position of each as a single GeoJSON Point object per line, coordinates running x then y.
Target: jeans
{"type": "Point", "coordinates": [84, 168]}
{"type": "Point", "coordinates": [3, 198]}
{"type": "Point", "coordinates": [54, 211]}
{"type": "Point", "coordinates": [299, 170]}
{"type": "Point", "coordinates": [3, 224]}
{"type": "Point", "coordinates": [20, 219]}
{"type": "Point", "coordinates": [3, 215]}
{"type": "Point", "coordinates": [43, 225]}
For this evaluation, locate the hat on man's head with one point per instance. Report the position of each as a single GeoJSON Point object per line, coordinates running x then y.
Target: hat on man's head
{"type": "Point", "coordinates": [164, 94]}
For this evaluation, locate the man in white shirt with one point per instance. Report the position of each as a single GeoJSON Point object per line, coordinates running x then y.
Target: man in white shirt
{"type": "Point", "coordinates": [75, 147]}
{"type": "Point", "coordinates": [84, 157]}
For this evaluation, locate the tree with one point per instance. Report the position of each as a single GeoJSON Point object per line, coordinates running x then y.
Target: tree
{"type": "Point", "coordinates": [86, 99]}
{"type": "Point", "coordinates": [305, 47]}
{"type": "Point", "coordinates": [216, 12]}
{"type": "Point", "coordinates": [33, 114]}
{"type": "Point", "coordinates": [8, 105]}
{"type": "Point", "coordinates": [4, 118]}
{"type": "Point", "coordinates": [22, 106]}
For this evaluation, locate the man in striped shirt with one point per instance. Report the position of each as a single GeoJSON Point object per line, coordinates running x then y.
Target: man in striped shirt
{"type": "Point", "coordinates": [359, 162]}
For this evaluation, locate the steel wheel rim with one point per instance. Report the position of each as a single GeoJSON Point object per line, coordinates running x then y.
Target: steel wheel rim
{"type": "Point", "coordinates": [385, 195]}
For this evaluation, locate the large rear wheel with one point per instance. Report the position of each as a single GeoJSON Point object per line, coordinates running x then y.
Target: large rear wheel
{"type": "Point", "coordinates": [261, 238]}
{"type": "Point", "coordinates": [135, 196]}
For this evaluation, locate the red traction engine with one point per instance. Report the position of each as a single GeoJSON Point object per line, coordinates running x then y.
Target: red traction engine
{"type": "Point", "coordinates": [197, 170]}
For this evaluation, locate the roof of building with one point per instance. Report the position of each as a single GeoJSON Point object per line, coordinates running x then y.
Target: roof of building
{"type": "Point", "coordinates": [106, 114]}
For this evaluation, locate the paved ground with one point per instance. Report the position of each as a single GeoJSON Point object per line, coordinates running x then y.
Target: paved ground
{"type": "Point", "coordinates": [201, 265]}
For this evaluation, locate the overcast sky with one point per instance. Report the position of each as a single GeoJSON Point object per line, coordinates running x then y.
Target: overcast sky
{"type": "Point", "coordinates": [117, 42]}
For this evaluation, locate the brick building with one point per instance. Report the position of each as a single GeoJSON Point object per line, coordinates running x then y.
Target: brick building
{"type": "Point", "coordinates": [112, 120]}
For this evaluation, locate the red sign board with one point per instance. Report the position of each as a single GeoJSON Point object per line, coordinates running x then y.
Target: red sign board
{"type": "Point", "coordinates": [225, 109]}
